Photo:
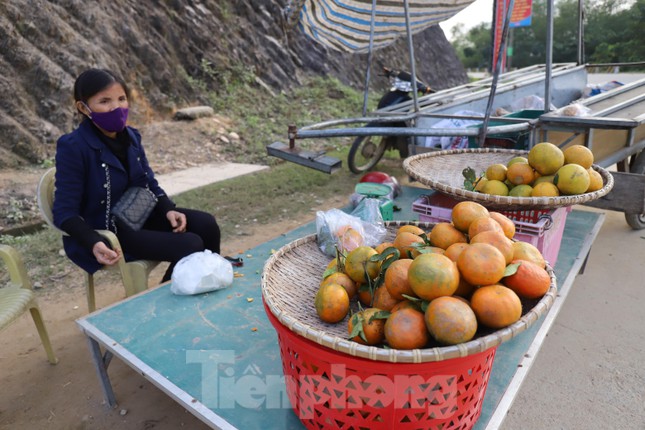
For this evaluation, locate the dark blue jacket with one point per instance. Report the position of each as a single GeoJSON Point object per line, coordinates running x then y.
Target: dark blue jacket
{"type": "Point", "coordinates": [90, 180]}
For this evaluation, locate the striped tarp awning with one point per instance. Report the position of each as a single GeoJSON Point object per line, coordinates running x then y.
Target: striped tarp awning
{"type": "Point", "coordinates": [344, 25]}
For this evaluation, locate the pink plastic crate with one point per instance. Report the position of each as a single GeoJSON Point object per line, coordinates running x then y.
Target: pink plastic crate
{"type": "Point", "coordinates": [541, 228]}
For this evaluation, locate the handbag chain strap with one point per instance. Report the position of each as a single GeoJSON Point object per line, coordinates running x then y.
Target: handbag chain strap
{"type": "Point", "coordinates": [108, 201]}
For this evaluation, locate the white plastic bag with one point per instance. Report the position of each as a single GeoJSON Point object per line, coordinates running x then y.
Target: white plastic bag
{"type": "Point", "coordinates": [530, 102]}
{"type": "Point", "coordinates": [452, 142]}
{"type": "Point", "coordinates": [574, 109]}
{"type": "Point", "coordinates": [201, 272]}
{"type": "Point", "coordinates": [337, 228]}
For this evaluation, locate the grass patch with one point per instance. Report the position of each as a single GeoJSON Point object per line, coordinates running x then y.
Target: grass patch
{"type": "Point", "coordinates": [42, 255]}
{"type": "Point", "coordinates": [284, 192]}
{"type": "Point", "coordinates": [262, 118]}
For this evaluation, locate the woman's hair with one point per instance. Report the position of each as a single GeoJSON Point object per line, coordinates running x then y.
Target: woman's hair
{"type": "Point", "coordinates": [93, 81]}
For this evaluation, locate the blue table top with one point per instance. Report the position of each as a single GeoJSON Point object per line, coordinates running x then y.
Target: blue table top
{"type": "Point", "coordinates": [220, 349]}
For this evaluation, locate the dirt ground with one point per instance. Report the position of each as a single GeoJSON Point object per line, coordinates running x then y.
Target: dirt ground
{"type": "Point", "coordinates": [36, 395]}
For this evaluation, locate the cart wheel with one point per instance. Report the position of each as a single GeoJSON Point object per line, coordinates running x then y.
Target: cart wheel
{"type": "Point", "coordinates": [365, 153]}
{"type": "Point", "coordinates": [637, 221]}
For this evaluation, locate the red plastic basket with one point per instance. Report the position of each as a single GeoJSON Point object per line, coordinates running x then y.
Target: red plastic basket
{"type": "Point", "coordinates": [332, 390]}
{"type": "Point", "coordinates": [335, 383]}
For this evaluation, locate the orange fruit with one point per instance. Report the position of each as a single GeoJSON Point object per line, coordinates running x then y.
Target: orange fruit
{"type": "Point", "coordinates": [454, 250]}
{"type": "Point", "coordinates": [406, 329]}
{"type": "Point", "coordinates": [572, 179]}
{"type": "Point", "coordinates": [495, 187]}
{"type": "Point", "coordinates": [348, 238]}
{"type": "Point", "coordinates": [433, 275]}
{"type": "Point", "coordinates": [496, 172]}
{"type": "Point", "coordinates": [333, 264]}
{"type": "Point", "coordinates": [545, 189]}
{"type": "Point", "coordinates": [450, 320]}
{"type": "Point", "coordinates": [444, 234]}
{"type": "Point", "coordinates": [357, 264]}
{"type": "Point", "coordinates": [521, 191]}
{"type": "Point", "coordinates": [383, 300]}
{"type": "Point", "coordinates": [404, 241]}
{"type": "Point", "coordinates": [463, 213]}
{"type": "Point", "coordinates": [383, 246]}
{"type": "Point", "coordinates": [464, 289]}
{"type": "Point", "coordinates": [517, 160]}
{"type": "Point", "coordinates": [481, 264]}
{"type": "Point", "coordinates": [365, 295]}
{"type": "Point", "coordinates": [480, 184]}
{"type": "Point", "coordinates": [498, 240]}
{"type": "Point", "coordinates": [409, 228]}
{"type": "Point", "coordinates": [484, 224]}
{"type": "Point", "coordinates": [396, 279]}
{"type": "Point", "coordinates": [548, 178]}
{"type": "Point", "coordinates": [404, 304]}
{"type": "Point", "coordinates": [433, 250]}
{"type": "Point", "coordinates": [528, 251]}
{"type": "Point", "coordinates": [595, 180]}
{"type": "Point", "coordinates": [462, 299]}
{"type": "Point", "coordinates": [344, 280]}
{"type": "Point", "coordinates": [546, 158]}
{"type": "Point", "coordinates": [373, 328]}
{"type": "Point", "coordinates": [496, 306]}
{"type": "Point", "coordinates": [520, 174]}
{"type": "Point", "coordinates": [332, 303]}
{"type": "Point", "coordinates": [530, 281]}
{"type": "Point", "coordinates": [507, 224]}
{"type": "Point", "coordinates": [578, 154]}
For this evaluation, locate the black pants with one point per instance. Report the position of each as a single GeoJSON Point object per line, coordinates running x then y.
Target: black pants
{"type": "Point", "coordinates": [156, 240]}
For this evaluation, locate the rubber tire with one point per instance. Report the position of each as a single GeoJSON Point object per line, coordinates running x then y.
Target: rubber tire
{"type": "Point", "coordinates": [359, 143]}
{"type": "Point", "coordinates": [402, 146]}
{"type": "Point", "coordinates": [637, 221]}
{"type": "Point", "coordinates": [390, 98]}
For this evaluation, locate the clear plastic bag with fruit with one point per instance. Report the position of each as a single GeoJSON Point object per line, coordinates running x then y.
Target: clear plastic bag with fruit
{"type": "Point", "coordinates": [338, 229]}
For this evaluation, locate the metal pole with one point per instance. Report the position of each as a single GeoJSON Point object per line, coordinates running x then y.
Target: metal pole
{"type": "Point", "coordinates": [581, 46]}
{"type": "Point", "coordinates": [549, 55]}
{"type": "Point", "coordinates": [412, 63]}
{"type": "Point", "coordinates": [496, 71]}
{"type": "Point", "coordinates": [369, 58]}
{"type": "Point", "coordinates": [509, 58]}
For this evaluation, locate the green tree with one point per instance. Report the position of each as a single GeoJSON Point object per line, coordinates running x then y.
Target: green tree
{"type": "Point", "coordinates": [474, 47]}
{"type": "Point", "coordinates": [612, 33]}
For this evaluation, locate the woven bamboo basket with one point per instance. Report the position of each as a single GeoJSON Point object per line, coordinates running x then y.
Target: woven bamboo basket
{"type": "Point", "coordinates": [442, 171]}
{"type": "Point", "coordinates": [291, 277]}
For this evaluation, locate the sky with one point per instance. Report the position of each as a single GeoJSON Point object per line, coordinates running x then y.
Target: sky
{"type": "Point", "coordinates": [477, 12]}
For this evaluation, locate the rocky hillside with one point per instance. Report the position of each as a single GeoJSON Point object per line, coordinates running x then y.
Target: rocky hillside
{"type": "Point", "coordinates": [169, 51]}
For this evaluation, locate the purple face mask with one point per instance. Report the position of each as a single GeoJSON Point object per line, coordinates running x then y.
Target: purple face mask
{"type": "Point", "coordinates": [112, 121]}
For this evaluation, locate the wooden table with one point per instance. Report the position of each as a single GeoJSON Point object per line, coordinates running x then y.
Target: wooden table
{"type": "Point", "coordinates": [217, 354]}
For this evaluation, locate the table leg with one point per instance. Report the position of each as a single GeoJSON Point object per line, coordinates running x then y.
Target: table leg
{"type": "Point", "coordinates": [101, 364]}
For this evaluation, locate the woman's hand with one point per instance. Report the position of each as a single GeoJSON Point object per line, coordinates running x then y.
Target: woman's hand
{"type": "Point", "coordinates": [177, 221]}
{"type": "Point", "coordinates": [104, 254]}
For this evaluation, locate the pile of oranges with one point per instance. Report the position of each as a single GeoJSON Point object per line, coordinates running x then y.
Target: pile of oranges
{"type": "Point", "coordinates": [434, 287]}
{"type": "Point", "coordinates": [548, 171]}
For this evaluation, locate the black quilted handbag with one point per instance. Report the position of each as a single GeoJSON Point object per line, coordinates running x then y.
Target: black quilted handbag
{"type": "Point", "coordinates": [134, 207]}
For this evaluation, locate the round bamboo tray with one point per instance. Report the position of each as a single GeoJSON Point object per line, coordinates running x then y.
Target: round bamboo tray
{"type": "Point", "coordinates": [291, 277]}
{"type": "Point", "coordinates": [443, 171]}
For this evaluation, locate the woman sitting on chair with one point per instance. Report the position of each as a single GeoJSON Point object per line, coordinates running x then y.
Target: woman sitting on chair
{"type": "Point", "coordinates": [95, 165]}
